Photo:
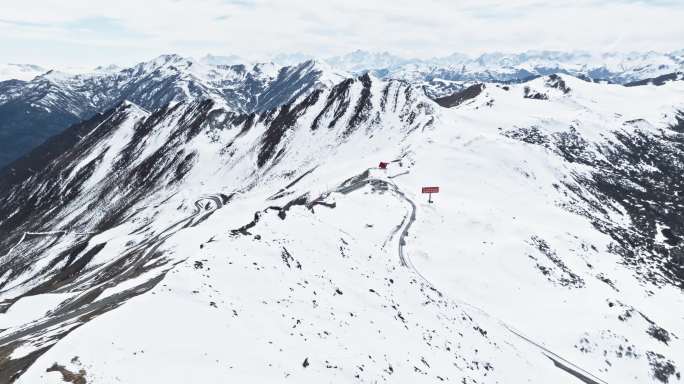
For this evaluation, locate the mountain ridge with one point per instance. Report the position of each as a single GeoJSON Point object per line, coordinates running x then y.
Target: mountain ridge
{"type": "Point", "coordinates": [55, 100]}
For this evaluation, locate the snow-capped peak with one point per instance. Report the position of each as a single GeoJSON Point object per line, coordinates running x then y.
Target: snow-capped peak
{"type": "Point", "coordinates": [24, 72]}
{"type": "Point", "coordinates": [111, 68]}
{"type": "Point", "coordinates": [56, 76]}
{"type": "Point", "coordinates": [616, 67]}
{"type": "Point", "coordinates": [210, 59]}
{"type": "Point", "coordinates": [361, 61]}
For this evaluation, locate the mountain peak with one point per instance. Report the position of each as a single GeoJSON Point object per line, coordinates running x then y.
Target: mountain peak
{"type": "Point", "coordinates": [107, 68]}
{"type": "Point", "coordinates": [214, 60]}
{"type": "Point", "coordinates": [166, 60]}
{"type": "Point", "coordinates": [55, 76]}
{"type": "Point", "coordinates": [23, 72]}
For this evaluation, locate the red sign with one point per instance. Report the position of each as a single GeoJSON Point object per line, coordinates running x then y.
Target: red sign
{"type": "Point", "coordinates": [383, 165]}
{"type": "Point", "coordinates": [430, 190]}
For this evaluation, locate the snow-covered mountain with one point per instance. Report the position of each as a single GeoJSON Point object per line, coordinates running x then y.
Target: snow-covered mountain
{"type": "Point", "coordinates": [23, 72]}
{"type": "Point", "coordinates": [42, 103]}
{"type": "Point", "coordinates": [202, 243]}
{"type": "Point", "coordinates": [168, 79]}
{"type": "Point", "coordinates": [287, 59]}
{"type": "Point", "coordinates": [32, 111]}
{"type": "Point", "coordinates": [363, 61]}
{"type": "Point", "coordinates": [210, 59]}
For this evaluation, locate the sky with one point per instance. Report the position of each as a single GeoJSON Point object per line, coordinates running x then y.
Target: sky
{"type": "Point", "coordinates": [123, 32]}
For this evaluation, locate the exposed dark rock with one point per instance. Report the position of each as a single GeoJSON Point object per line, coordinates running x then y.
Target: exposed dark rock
{"type": "Point", "coordinates": [640, 172]}
{"type": "Point", "coordinates": [284, 120]}
{"type": "Point", "coordinates": [337, 98]}
{"type": "Point", "coordinates": [531, 94]}
{"type": "Point", "coordinates": [567, 276]}
{"type": "Point", "coordinates": [659, 334]}
{"type": "Point", "coordinates": [363, 106]}
{"type": "Point", "coordinates": [460, 97]}
{"type": "Point", "coordinates": [69, 376]}
{"type": "Point", "coordinates": [557, 82]}
{"type": "Point", "coordinates": [660, 80]}
{"type": "Point", "coordinates": [663, 369]}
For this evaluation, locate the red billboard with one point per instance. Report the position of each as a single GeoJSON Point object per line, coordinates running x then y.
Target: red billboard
{"type": "Point", "coordinates": [430, 189]}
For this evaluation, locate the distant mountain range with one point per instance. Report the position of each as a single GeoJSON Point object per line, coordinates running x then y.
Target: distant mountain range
{"type": "Point", "coordinates": [618, 67]}
{"type": "Point", "coordinates": [439, 74]}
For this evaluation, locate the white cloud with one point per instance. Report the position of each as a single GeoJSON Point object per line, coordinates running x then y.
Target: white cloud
{"type": "Point", "coordinates": [130, 30]}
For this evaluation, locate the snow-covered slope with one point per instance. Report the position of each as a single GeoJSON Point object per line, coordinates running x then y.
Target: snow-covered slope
{"type": "Point", "coordinates": [197, 244]}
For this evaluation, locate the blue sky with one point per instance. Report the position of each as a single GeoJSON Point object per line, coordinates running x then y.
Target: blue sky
{"type": "Point", "coordinates": [89, 32]}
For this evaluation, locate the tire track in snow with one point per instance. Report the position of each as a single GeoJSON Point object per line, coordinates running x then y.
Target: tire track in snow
{"type": "Point", "coordinates": [560, 362]}
{"type": "Point", "coordinates": [364, 179]}
{"type": "Point", "coordinates": [361, 180]}
{"type": "Point", "coordinates": [219, 200]}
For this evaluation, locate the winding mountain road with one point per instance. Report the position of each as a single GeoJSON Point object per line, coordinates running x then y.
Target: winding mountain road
{"type": "Point", "coordinates": [23, 237]}
{"type": "Point", "coordinates": [88, 302]}
{"type": "Point", "coordinates": [363, 179]}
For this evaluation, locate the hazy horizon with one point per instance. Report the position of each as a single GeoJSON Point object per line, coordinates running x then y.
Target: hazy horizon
{"type": "Point", "coordinates": [86, 33]}
{"type": "Point", "coordinates": [289, 58]}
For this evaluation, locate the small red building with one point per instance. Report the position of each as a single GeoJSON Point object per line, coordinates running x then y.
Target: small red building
{"type": "Point", "coordinates": [383, 165]}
